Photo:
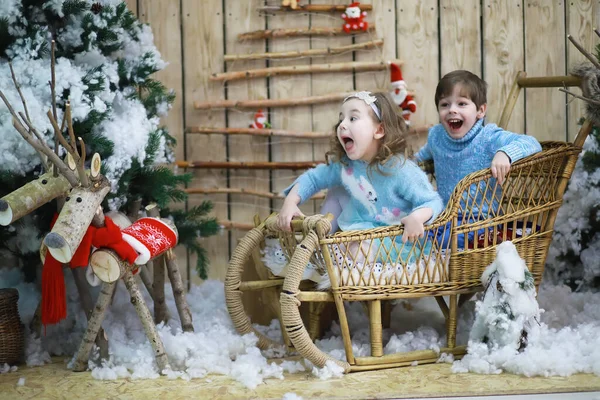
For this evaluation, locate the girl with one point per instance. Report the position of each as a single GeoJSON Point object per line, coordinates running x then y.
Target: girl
{"type": "Point", "coordinates": [367, 159]}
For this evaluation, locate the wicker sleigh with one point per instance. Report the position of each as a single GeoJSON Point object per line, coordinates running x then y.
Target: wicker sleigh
{"type": "Point", "coordinates": [374, 265]}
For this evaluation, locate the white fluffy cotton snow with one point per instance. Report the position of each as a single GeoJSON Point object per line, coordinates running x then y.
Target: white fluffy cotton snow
{"type": "Point", "coordinates": [568, 341]}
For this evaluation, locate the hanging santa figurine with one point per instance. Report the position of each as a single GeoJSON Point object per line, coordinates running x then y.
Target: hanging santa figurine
{"type": "Point", "coordinates": [260, 121]}
{"type": "Point", "coordinates": [400, 94]}
{"type": "Point", "coordinates": [353, 18]}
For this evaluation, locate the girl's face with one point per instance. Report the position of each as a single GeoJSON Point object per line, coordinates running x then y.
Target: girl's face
{"type": "Point", "coordinates": [458, 113]}
{"type": "Point", "coordinates": [357, 131]}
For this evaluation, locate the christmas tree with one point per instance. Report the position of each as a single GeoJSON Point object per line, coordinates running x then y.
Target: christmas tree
{"type": "Point", "coordinates": [104, 60]}
{"type": "Point", "coordinates": [575, 250]}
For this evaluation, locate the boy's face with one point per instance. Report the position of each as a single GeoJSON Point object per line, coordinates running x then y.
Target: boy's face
{"type": "Point", "coordinates": [458, 113]}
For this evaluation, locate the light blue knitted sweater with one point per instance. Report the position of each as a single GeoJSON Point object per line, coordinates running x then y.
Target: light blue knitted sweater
{"type": "Point", "coordinates": [455, 158]}
{"type": "Point", "coordinates": [375, 199]}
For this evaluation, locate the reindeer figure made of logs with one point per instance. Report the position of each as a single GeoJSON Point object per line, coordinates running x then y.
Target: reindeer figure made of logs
{"type": "Point", "coordinates": [80, 223]}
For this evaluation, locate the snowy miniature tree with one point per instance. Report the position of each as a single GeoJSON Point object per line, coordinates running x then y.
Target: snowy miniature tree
{"type": "Point", "coordinates": [104, 61]}
{"type": "Point", "coordinates": [508, 310]}
{"type": "Point", "coordinates": [506, 318]}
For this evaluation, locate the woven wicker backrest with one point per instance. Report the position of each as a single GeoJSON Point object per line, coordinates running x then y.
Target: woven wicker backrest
{"type": "Point", "coordinates": [522, 210]}
{"type": "Point", "coordinates": [463, 240]}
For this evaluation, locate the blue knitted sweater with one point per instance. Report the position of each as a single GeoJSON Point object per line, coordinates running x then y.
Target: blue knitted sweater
{"type": "Point", "coordinates": [375, 199]}
{"type": "Point", "coordinates": [455, 158]}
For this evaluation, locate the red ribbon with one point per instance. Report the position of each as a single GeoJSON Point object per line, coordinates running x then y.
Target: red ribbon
{"type": "Point", "coordinates": [54, 298]}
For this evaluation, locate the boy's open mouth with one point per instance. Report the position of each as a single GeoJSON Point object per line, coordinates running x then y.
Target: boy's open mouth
{"type": "Point", "coordinates": [455, 124]}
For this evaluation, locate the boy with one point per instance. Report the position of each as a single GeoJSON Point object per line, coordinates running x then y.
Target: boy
{"type": "Point", "coordinates": [461, 144]}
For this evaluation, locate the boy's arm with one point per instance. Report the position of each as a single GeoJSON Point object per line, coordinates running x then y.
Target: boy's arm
{"type": "Point", "coordinates": [424, 154]}
{"type": "Point", "coordinates": [514, 145]}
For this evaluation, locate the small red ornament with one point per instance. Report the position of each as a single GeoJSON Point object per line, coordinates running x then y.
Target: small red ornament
{"type": "Point", "coordinates": [260, 121]}
{"type": "Point", "coordinates": [354, 18]}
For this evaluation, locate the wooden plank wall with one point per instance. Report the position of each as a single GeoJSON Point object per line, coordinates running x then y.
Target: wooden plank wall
{"type": "Point", "coordinates": [492, 38]}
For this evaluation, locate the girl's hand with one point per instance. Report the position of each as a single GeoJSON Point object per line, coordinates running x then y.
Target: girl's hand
{"type": "Point", "coordinates": [413, 228]}
{"type": "Point", "coordinates": [289, 210]}
{"type": "Point", "coordinates": [500, 166]}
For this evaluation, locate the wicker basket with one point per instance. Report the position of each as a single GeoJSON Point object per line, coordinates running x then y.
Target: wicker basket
{"type": "Point", "coordinates": [11, 329]}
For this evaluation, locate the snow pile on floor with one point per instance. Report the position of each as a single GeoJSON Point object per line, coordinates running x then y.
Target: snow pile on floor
{"type": "Point", "coordinates": [568, 342]}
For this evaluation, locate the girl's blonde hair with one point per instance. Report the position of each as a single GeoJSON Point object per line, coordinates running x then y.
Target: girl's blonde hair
{"type": "Point", "coordinates": [393, 141]}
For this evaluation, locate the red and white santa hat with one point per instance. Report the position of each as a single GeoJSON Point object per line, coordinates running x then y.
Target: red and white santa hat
{"type": "Point", "coordinates": [149, 237]}
{"type": "Point", "coordinates": [396, 76]}
{"type": "Point", "coordinates": [259, 114]}
{"type": "Point", "coordinates": [355, 4]}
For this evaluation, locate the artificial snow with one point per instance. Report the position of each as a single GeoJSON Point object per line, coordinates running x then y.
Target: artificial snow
{"type": "Point", "coordinates": [5, 368]}
{"type": "Point", "coordinates": [291, 396]}
{"type": "Point", "coordinates": [568, 341]}
{"type": "Point", "coordinates": [10, 10]}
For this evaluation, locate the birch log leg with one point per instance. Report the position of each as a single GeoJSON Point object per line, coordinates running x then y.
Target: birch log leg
{"type": "Point", "coordinates": [94, 325]}
{"type": "Point", "coordinates": [146, 318]}
{"type": "Point", "coordinates": [158, 287]}
{"type": "Point", "coordinates": [161, 312]}
{"type": "Point", "coordinates": [179, 292]}
{"type": "Point", "coordinates": [145, 276]}
{"type": "Point", "coordinates": [144, 272]}
{"type": "Point", "coordinates": [35, 326]}
{"type": "Point", "coordinates": [88, 306]}
{"type": "Point", "coordinates": [133, 211]}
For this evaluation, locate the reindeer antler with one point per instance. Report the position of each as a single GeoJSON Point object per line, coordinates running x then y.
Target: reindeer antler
{"type": "Point", "coordinates": [71, 147]}
{"type": "Point", "coordinates": [35, 140]}
{"type": "Point", "coordinates": [25, 127]}
{"type": "Point", "coordinates": [26, 116]}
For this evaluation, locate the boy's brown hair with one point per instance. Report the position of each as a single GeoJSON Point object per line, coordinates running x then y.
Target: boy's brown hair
{"type": "Point", "coordinates": [393, 141]}
{"type": "Point", "coordinates": [471, 86]}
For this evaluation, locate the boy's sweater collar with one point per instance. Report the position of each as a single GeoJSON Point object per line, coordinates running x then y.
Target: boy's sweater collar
{"type": "Point", "coordinates": [465, 140]}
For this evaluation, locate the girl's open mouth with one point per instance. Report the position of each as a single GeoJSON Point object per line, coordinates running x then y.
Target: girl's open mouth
{"type": "Point", "coordinates": [348, 142]}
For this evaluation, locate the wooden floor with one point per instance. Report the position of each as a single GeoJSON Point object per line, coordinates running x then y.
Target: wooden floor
{"type": "Point", "coordinates": [55, 381]}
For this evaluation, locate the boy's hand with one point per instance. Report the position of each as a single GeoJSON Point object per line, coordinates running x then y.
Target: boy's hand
{"type": "Point", "coordinates": [500, 166]}
{"type": "Point", "coordinates": [413, 228]}
{"type": "Point", "coordinates": [288, 211]}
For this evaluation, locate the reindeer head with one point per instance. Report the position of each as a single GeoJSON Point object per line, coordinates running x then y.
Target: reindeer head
{"type": "Point", "coordinates": [87, 188]}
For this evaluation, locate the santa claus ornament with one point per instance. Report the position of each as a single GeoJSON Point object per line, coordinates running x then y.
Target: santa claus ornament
{"type": "Point", "coordinates": [260, 121]}
{"type": "Point", "coordinates": [400, 94]}
{"type": "Point", "coordinates": [353, 18]}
